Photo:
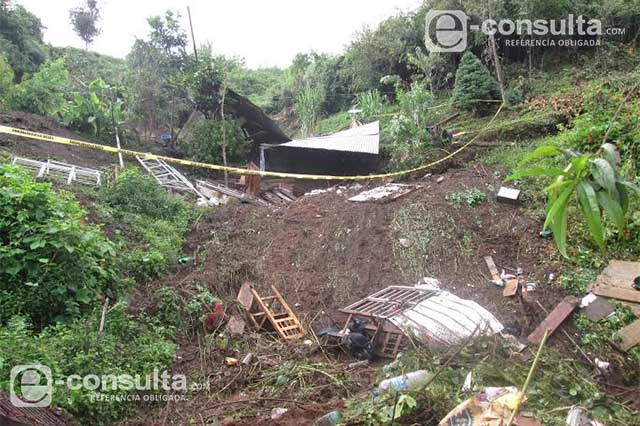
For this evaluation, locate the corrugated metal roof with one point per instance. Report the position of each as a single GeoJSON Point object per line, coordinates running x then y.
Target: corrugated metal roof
{"type": "Point", "coordinates": [364, 139]}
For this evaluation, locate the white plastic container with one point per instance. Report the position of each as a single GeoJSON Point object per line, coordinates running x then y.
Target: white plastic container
{"type": "Point", "coordinates": [406, 382]}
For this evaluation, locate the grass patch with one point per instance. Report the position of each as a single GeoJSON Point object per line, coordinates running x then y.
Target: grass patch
{"type": "Point", "coordinates": [470, 197]}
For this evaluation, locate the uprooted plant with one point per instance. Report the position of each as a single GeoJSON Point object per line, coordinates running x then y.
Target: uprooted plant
{"type": "Point", "coordinates": [594, 179]}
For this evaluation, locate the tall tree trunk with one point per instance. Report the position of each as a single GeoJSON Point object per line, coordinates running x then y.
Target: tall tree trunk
{"type": "Point", "coordinates": [496, 62]}
{"type": "Point", "coordinates": [224, 130]}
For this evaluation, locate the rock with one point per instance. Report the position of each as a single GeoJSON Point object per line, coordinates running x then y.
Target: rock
{"type": "Point", "coordinates": [440, 179]}
{"type": "Point", "coordinates": [404, 242]}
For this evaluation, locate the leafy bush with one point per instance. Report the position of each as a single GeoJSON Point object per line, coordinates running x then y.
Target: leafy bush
{"type": "Point", "coordinates": [473, 85]}
{"type": "Point", "coordinates": [54, 266]}
{"type": "Point", "coordinates": [407, 136]}
{"type": "Point", "coordinates": [471, 197]}
{"type": "Point", "coordinates": [206, 139]}
{"type": "Point", "coordinates": [128, 345]}
{"type": "Point", "coordinates": [371, 103]}
{"type": "Point", "coordinates": [596, 181]}
{"type": "Point", "coordinates": [43, 93]}
{"type": "Point", "coordinates": [95, 109]}
{"type": "Point", "coordinates": [152, 221]}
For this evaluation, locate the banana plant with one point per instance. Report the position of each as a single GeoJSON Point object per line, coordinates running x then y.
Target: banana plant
{"type": "Point", "coordinates": [593, 179]}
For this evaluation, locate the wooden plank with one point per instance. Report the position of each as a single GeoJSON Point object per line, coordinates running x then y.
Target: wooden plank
{"type": "Point", "coordinates": [599, 309]}
{"type": "Point", "coordinates": [245, 296]}
{"type": "Point", "coordinates": [554, 319]}
{"type": "Point", "coordinates": [511, 288]}
{"type": "Point", "coordinates": [630, 336]}
{"type": "Point", "coordinates": [630, 295]}
{"type": "Point", "coordinates": [495, 274]}
{"type": "Point", "coordinates": [619, 274]}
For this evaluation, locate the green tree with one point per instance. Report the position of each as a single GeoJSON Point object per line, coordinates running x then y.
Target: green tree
{"type": "Point", "coordinates": [6, 80]}
{"type": "Point", "coordinates": [308, 106]}
{"type": "Point", "coordinates": [473, 85]}
{"type": "Point", "coordinates": [85, 21]}
{"type": "Point", "coordinates": [21, 38]}
{"type": "Point", "coordinates": [43, 93]}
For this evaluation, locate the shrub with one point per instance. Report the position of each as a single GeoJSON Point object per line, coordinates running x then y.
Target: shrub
{"type": "Point", "coordinates": [43, 93]}
{"type": "Point", "coordinates": [205, 141]}
{"type": "Point", "coordinates": [128, 345]}
{"type": "Point", "coordinates": [54, 266]}
{"type": "Point", "coordinates": [152, 224]}
{"type": "Point", "coordinates": [473, 84]}
{"type": "Point", "coordinates": [308, 105]}
{"type": "Point", "coordinates": [6, 80]}
{"type": "Point", "coordinates": [371, 103]}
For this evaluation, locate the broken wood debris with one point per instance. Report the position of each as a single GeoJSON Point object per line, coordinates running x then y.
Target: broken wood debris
{"type": "Point", "coordinates": [385, 194]}
{"type": "Point", "coordinates": [55, 169]}
{"type": "Point", "coordinates": [551, 323]}
{"type": "Point", "coordinates": [271, 310]}
{"type": "Point", "coordinates": [630, 336]}
{"type": "Point", "coordinates": [617, 282]}
{"type": "Point", "coordinates": [495, 274]}
{"type": "Point", "coordinates": [511, 287]}
{"type": "Point", "coordinates": [508, 195]}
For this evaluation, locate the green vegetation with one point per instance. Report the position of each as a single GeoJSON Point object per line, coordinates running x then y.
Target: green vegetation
{"type": "Point", "coordinates": [471, 197]}
{"type": "Point", "coordinates": [54, 266]}
{"type": "Point", "coordinates": [474, 85]}
{"type": "Point", "coordinates": [43, 92]}
{"type": "Point", "coordinates": [85, 21]}
{"type": "Point", "coordinates": [151, 224]}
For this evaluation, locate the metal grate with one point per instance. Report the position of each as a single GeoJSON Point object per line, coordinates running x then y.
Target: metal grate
{"type": "Point", "coordinates": [389, 301]}
{"type": "Point", "coordinates": [62, 171]}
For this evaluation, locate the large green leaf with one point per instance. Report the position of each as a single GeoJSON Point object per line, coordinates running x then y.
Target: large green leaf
{"type": "Point", "coordinates": [611, 154]}
{"type": "Point", "coordinates": [559, 206]}
{"type": "Point", "coordinates": [624, 197]}
{"type": "Point", "coordinates": [541, 152]}
{"type": "Point", "coordinates": [604, 174]}
{"type": "Point", "coordinates": [559, 228]}
{"type": "Point", "coordinates": [591, 211]}
{"type": "Point", "coordinates": [613, 210]}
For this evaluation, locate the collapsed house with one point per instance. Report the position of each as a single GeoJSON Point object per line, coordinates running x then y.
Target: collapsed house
{"type": "Point", "coordinates": [351, 151]}
{"type": "Point", "coordinates": [399, 317]}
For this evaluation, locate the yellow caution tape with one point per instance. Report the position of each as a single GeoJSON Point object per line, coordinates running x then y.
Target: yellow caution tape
{"type": "Point", "coordinates": [233, 170]}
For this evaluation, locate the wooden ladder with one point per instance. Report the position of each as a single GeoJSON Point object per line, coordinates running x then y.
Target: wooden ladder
{"type": "Point", "coordinates": [274, 309]}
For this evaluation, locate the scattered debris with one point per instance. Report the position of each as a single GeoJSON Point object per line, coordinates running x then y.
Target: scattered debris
{"type": "Point", "coordinates": [329, 419]}
{"type": "Point", "coordinates": [508, 195]}
{"type": "Point", "coordinates": [12, 415]}
{"type": "Point", "coordinates": [235, 326]}
{"type": "Point", "coordinates": [577, 417]}
{"type": "Point", "coordinates": [490, 407]}
{"type": "Point", "coordinates": [278, 412]}
{"type": "Point", "coordinates": [597, 308]}
{"type": "Point", "coordinates": [386, 193]}
{"type": "Point", "coordinates": [270, 311]}
{"type": "Point", "coordinates": [404, 242]}
{"type": "Point", "coordinates": [404, 383]}
{"type": "Point", "coordinates": [495, 275]}
{"type": "Point", "coordinates": [617, 282]}
{"type": "Point", "coordinates": [248, 359]}
{"type": "Point", "coordinates": [630, 336]}
{"type": "Point", "coordinates": [440, 179]}
{"type": "Point", "coordinates": [511, 288]}
{"type": "Point", "coordinates": [358, 364]}
{"type": "Point", "coordinates": [433, 316]}
{"type": "Point", "coordinates": [554, 319]}
{"type": "Point", "coordinates": [603, 366]}
{"type": "Point", "coordinates": [229, 192]}
{"type": "Point", "coordinates": [55, 169]}
{"type": "Point", "coordinates": [231, 362]}
{"type": "Point", "coordinates": [467, 386]}
{"type": "Point", "coordinates": [168, 176]}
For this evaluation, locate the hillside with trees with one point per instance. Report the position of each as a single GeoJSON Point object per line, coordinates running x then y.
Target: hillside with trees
{"type": "Point", "coordinates": [129, 277]}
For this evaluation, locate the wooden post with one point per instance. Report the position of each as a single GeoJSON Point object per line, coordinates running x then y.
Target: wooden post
{"type": "Point", "coordinates": [119, 153]}
{"type": "Point", "coordinates": [193, 38]}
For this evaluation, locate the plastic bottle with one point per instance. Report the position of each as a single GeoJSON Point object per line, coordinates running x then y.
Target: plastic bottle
{"type": "Point", "coordinates": [329, 419]}
{"type": "Point", "coordinates": [406, 382]}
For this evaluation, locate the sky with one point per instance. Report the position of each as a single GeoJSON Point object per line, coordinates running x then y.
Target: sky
{"type": "Point", "coordinates": [264, 32]}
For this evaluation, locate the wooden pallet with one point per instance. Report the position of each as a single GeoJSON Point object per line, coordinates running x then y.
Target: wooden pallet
{"type": "Point", "coordinates": [270, 311]}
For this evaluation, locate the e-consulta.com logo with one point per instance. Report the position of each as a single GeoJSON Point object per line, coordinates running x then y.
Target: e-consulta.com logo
{"type": "Point", "coordinates": [33, 386]}
{"type": "Point", "coordinates": [447, 30]}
